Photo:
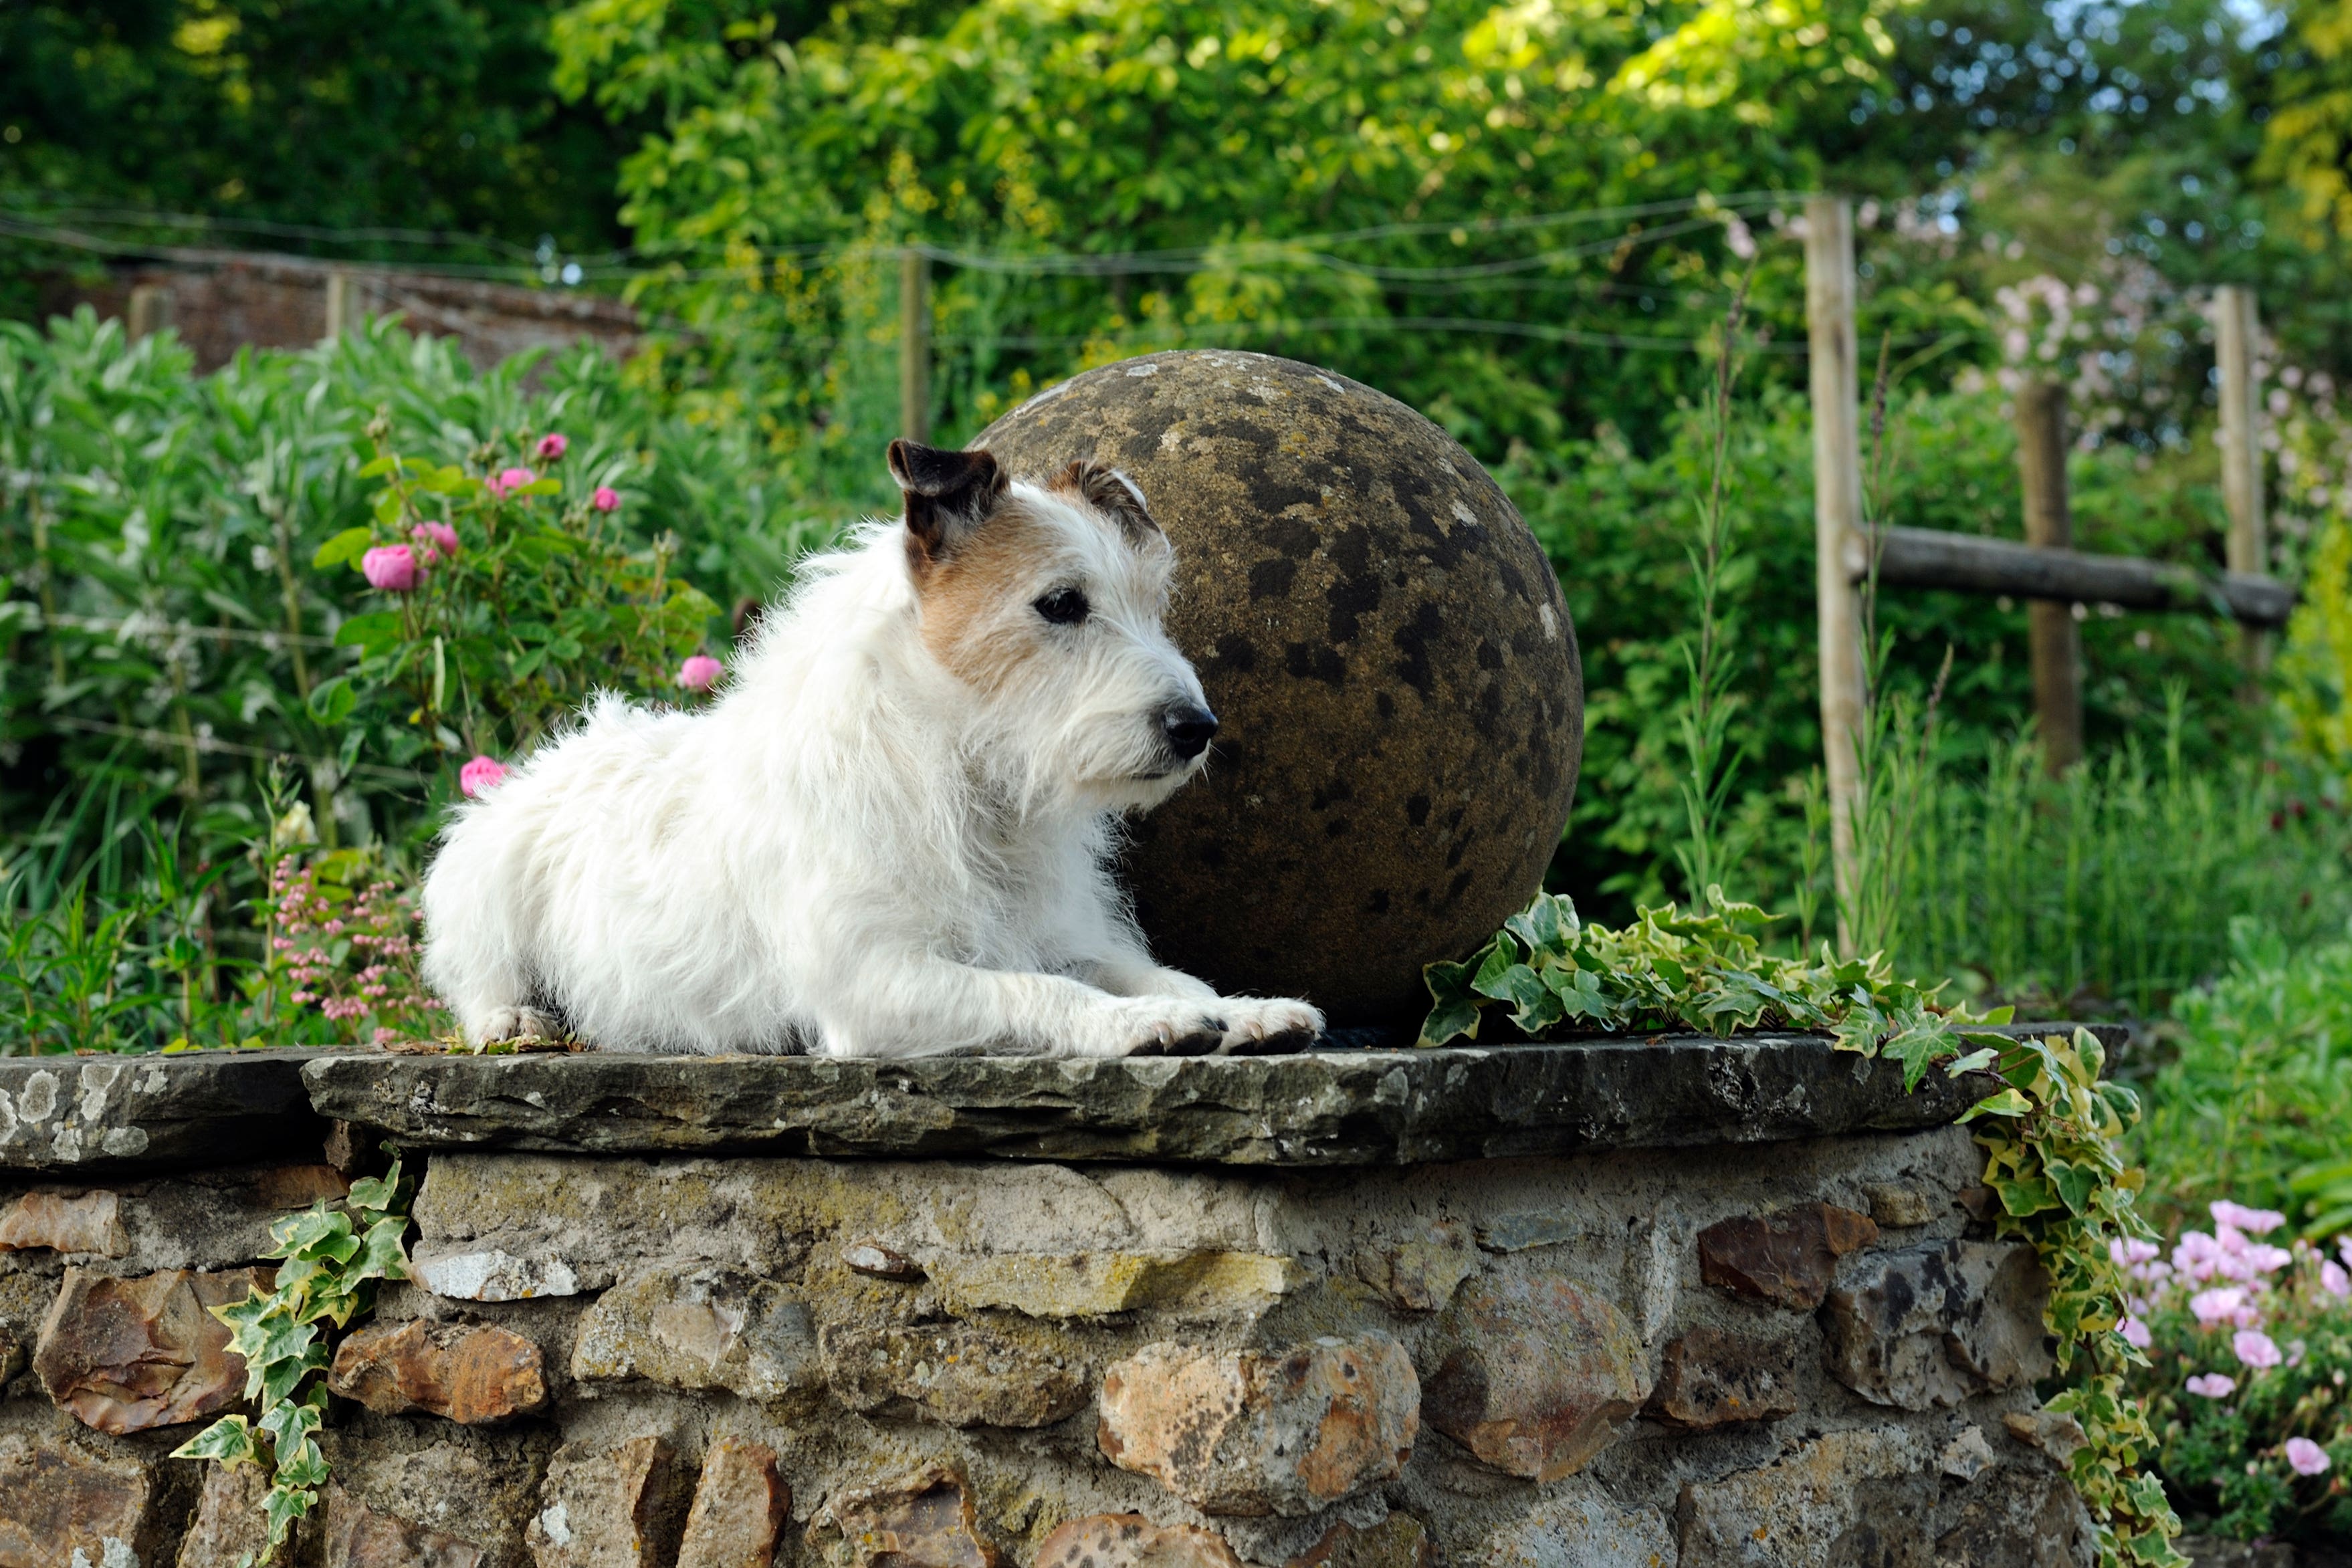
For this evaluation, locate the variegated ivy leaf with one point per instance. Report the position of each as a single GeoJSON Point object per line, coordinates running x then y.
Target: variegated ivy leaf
{"type": "Point", "coordinates": [375, 1194]}
{"type": "Point", "coordinates": [228, 1440]}
{"type": "Point", "coordinates": [283, 1506]}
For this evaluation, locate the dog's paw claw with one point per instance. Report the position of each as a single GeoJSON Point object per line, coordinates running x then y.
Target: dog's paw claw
{"type": "Point", "coordinates": [1269, 1028]}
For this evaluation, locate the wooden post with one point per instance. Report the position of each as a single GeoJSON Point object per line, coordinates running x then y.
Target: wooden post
{"type": "Point", "coordinates": [1837, 517]}
{"type": "Point", "coordinates": [341, 316]}
{"type": "Point", "coordinates": [2236, 327]}
{"type": "Point", "coordinates": [914, 345]}
{"type": "Point", "coordinates": [2054, 636]}
{"type": "Point", "coordinates": [149, 311]}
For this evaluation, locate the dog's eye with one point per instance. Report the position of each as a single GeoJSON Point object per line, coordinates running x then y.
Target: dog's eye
{"type": "Point", "coordinates": [1063, 607]}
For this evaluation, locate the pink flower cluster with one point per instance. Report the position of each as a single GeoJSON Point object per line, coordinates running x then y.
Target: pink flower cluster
{"type": "Point", "coordinates": [2236, 1288]}
{"type": "Point", "coordinates": [349, 961]}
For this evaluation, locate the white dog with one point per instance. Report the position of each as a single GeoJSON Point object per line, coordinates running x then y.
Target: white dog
{"type": "Point", "coordinates": [891, 834]}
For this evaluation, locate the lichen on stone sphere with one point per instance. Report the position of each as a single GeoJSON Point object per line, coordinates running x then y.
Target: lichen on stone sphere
{"type": "Point", "coordinates": [1385, 643]}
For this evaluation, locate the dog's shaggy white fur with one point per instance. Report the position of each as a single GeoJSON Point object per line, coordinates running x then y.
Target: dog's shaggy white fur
{"type": "Point", "coordinates": [890, 835]}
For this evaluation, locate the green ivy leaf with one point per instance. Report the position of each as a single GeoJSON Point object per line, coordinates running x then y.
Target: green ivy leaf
{"type": "Point", "coordinates": [227, 1441]}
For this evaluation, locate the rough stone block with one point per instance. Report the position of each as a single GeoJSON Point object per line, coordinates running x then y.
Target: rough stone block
{"type": "Point", "coordinates": [882, 1263]}
{"type": "Point", "coordinates": [1092, 1284]}
{"type": "Point", "coordinates": [739, 1504]}
{"type": "Point", "coordinates": [1933, 1326]}
{"type": "Point", "coordinates": [925, 1521]}
{"type": "Point", "coordinates": [229, 1524]}
{"type": "Point", "coordinates": [1787, 1258]}
{"type": "Point", "coordinates": [90, 1223]}
{"type": "Point", "coordinates": [1260, 1432]}
{"type": "Point", "coordinates": [493, 1274]}
{"type": "Point", "coordinates": [605, 1508]}
{"type": "Point", "coordinates": [2021, 1519]}
{"type": "Point", "coordinates": [116, 1113]}
{"type": "Point", "coordinates": [1900, 1204]}
{"type": "Point", "coordinates": [699, 1328]}
{"type": "Point", "coordinates": [124, 1355]}
{"type": "Point", "coordinates": [960, 1373]}
{"type": "Point", "coordinates": [1851, 1497]}
{"type": "Point", "coordinates": [470, 1372]}
{"type": "Point", "coordinates": [2056, 1435]}
{"type": "Point", "coordinates": [359, 1537]}
{"type": "Point", "coordinates": [1580, 1530]}
{"type": "Point", "coordinates": [1711, 1377]}
{"type": "Point", "coordinates": [1542, 1377]}
{"type": "Point", "coordinates": [57, 1503]}
{"type": "Point", "coordinates": [1397, 1542]}
{"type": "Point", "coordinates": [1420, 1273]}
{"type": "Point", "coordinates": [1131, 1541]}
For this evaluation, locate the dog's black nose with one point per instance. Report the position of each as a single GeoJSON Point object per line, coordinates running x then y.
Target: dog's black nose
{"type": "Point", "coordinates": [1189, 729]}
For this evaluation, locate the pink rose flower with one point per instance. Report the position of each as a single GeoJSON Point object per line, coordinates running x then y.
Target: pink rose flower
{"type": "Point", "coordinates": [440, 539]}
{"type": "Point", "coordinates": [506, 481]}
{"type": "Point", "coordinates": [699, 673]}
{"type": "Point", "coordinates": [2135, 1334]}
{"type": "Point", "coordinates": [2252, 1221]}
{"type": "Point", "coordinates": [2333, 1279]}
{"type": "Point", "coordinates": [392, 568]}
{"type": "Point", "coordinates": [480, 774]}
{"type": "Point", "coordinates": [606, 499]}
{"type": "Point", "coordinates": [2212, 1385]}
{"type": "Point", "coordinates": [552, 447]}
{"type": "Point", "coordinates": [2219, 1305]}
{"type": "Point", "coordinates": [2255, 1349]}
{"type": "Point", "coordinates": [2306, 1457]}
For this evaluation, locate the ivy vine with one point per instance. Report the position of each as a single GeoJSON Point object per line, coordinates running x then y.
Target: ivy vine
{"type": "Point", "coordinates": [2051, 1134]}
{"type": "Point", "coordinates": [332, 1255]}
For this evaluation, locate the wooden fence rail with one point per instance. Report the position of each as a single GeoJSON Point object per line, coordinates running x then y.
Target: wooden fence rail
{"type": "Point", "coordinates": [2044, 569]}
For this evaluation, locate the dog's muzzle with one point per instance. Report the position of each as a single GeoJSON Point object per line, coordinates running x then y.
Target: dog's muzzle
{"type": "Point", "coordinates": [1188, 727]}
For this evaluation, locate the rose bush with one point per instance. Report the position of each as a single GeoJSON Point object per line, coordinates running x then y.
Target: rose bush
{"type": "Point", "coordinates": [2248, 1354]}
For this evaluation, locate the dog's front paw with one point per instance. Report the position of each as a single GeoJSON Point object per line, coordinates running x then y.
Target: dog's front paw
{"type": "Point", "coordinates": [1157, 1026]}
{"type": "Point", "coordinates": [516, 1023]}
{"type": "Point", "coordinates": [1265, 1027]}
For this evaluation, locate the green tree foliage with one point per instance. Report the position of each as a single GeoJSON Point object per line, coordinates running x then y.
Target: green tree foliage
{"type": "Point", "coordinates": [435, 115]}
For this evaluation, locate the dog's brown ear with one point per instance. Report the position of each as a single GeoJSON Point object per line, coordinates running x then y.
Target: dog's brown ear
{"type": "Point", "coordinates": [1108, 490]}
{"type": "Point", "coordinates": [948, 494]}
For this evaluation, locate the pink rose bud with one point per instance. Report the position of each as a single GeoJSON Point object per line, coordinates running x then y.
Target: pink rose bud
{"type": "Point", "coordinates": [436, 536]}
{"type": "Point", "coordinates": [479, 774]}
{"type": "Point", "coordinates": [2212, 1385]}
{"type": "Point", "coordinates": [392, 568]}
{"type": "Point", "coordinates": [552, 447]}
{"type": "Point", "coordinates": [510, 480]}
{"type": "Point", "coordinates": [606, 499]}
{"type": "Point", "coordinates": [699, 673]}
{"type": "Point", "coordinates": [2306, 1457]}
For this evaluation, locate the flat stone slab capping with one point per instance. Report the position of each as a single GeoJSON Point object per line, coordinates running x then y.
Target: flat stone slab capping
{"type": "Point", "coordinates": [1324, 1108]}
{"type": "Point", "coordinates": [109, 1114]}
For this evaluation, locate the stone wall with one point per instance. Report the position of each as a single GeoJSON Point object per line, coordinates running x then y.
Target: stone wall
{"type": "Point", "coordinates": [1607, 1352]}
{"type": "Point", "coordinates": [219, 303]}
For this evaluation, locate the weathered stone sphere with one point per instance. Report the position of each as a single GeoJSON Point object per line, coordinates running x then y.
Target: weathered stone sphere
{"type": "Point", "coordinates": [1402, 698]}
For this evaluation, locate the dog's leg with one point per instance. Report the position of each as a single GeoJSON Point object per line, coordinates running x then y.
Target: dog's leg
{"type": "Point", "coordinates": [473, 959]}
{"type": "Point", "coordinates": [921, 1006]}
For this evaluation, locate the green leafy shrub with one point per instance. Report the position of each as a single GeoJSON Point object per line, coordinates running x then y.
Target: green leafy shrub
{"type": "Point", "coordinates": [514, 595]}
{"type": "Point", "coordinates": [2249, 1356]}
{"type": "Point", "coordinates": [166, 633]}
{"type": "Point", "coordinates": [2252, 1100]}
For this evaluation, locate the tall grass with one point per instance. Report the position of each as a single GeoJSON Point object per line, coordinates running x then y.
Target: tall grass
{"type": "Point", "coordinates": [2116, 886]}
